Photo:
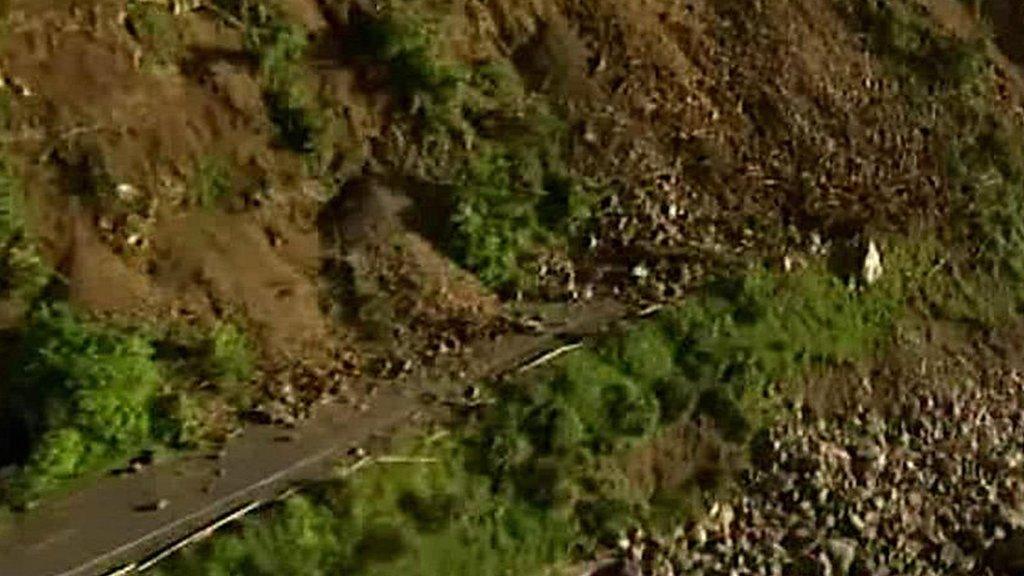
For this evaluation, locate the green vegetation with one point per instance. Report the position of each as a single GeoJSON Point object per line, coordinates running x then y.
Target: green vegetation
{"type": "Point", "coordinates": [496, 225]}
{"type": "Point", "coordinates": [514, 196]}
{"type": "Point", "coordinates": [906, 37]}
{"type": "Point", "coordinates": [228, 354]}
{"type": "Point", "coordinates": [979, 153]}
{"type": "Point", "coordinates": [417, 74]}
{"type": "Point", "coordinates": [496, 147]}
{"type": "Point", "coordinates": [211, 371]}
{"type": "Point", "coordinates": [82, 395]}
{"type": "Point", "coordinates": [305, 123]}
{"type": "Point", "coordinates": [543, 476]}
{"type": "Point", "coordinates": [210, 183]}
{"type": "Point", "coordinates": [280, 47]}
{"type": "Point", "coordinates": [154, 27]}
{"type": "Point", "coordinates": [22, 273]}
{"type": "Point", "coordinates": [5, 109]}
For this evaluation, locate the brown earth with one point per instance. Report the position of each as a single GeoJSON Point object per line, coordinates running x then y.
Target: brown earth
{"type": "Point", "coordinates": [726, 133]}
{"type": "Point", "coordinates": [724, 141]}
{"type": "Point", "coordinates": [93, 116]}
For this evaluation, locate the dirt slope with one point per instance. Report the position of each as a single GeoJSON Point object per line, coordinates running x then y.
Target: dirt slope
{"type": "Point", "coordinates": [268, 163]}
{"type": "Point", "coordinates": [723, 131]}
{"type": "Point", "coordinates": [205, 161]}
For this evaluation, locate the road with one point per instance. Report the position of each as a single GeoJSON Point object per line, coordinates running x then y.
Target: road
{"type": "Point", "coordinates": [102, 528]}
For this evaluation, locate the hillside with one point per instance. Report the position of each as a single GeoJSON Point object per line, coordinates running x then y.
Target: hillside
{"type": "Point", "coordinates": [220, 211]}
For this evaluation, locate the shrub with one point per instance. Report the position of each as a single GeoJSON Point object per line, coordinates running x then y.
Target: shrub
{"type": "Point", "coordinates": [22, 272]}
{"type": "Point", "coordinates": [154, 27]}
{"type": "Point", "coordinates": [495, 225]}
{"type": "Point", "coordinates": [280, 48]}
{"type": "Point", "coordinates": [416, 74]}
{"type": "Point", "coordinates": [5, 108]}
{"type": "Point", "coordinates": [180, 420]}
{"type": "Point", "coordinates": [210, 183]}
{"type": "Point", "coordinates": [483, 136]}
{"type": "Point", "coordinates": [11, 217]}
{"type": "Point", "coordinates": [82, 393]}
{"type": "Point", "coordinates": [228, 354]}
{"type": "Point", "coordinates": [221, 360]}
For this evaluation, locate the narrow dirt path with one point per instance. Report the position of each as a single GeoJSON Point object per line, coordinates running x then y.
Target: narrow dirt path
{"type": "Point", "coordinates": [121, 520]}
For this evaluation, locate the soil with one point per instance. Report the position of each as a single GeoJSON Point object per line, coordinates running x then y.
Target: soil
{"type": "Point", "coordinates": [727, 133]}
{"type": "Point", "coordinates": [723, 142]}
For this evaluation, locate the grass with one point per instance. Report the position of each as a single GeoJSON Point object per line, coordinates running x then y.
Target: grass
{"type": "Point", "coordinates": [154, 27]}
{"type": "Point", "coordinates": [541, 478]}
{"type": "Point", "coordinates": [211, 182]}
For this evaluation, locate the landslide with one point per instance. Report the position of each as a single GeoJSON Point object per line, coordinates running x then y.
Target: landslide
{"type": "Point", "coordinates": [396, 179]}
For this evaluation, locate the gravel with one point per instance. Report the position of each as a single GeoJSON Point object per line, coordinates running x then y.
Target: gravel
{"type": "Point", "coordinates": [935, 487]}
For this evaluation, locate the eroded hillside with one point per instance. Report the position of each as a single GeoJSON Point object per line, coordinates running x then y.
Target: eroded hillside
{"type": "Point", "coordinates": [241, 207]}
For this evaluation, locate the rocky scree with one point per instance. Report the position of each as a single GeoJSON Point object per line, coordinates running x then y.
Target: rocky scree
{"type": "Point", "coordinates": [934, 486]}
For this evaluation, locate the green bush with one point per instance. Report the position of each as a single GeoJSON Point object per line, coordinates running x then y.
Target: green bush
{"type": "Point", "coordinates": [228, 354]}
{"type": "Point", "coordinates": [292, 107]}
{"type": "Point", "coordinates": [416, 74]}
{"type": "Point", "coordinates": [22, 272]}
{"type": "Point", "coordinates": [82, 394]}
{"type": "Point", "coordinates": [210, 369]}
{"type": "Point", "coordinates": [11, 218]}
{"type": "Point", "coordinates": [419, 518]}
{"type": "Point", "coordinates": [495, 225]}
{"type": "Point", "coordinates": [180, 420]}
{"type": "Point", "coordinates": [483, 136]}
{"type": "Point", "coordinates": [513, 200]}
{"type": "Point", "coordinates": [154, 27]}
{"type": "Point", "coordinates": [5, 108]}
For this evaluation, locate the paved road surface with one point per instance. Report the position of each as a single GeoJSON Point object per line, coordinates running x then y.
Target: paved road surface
{"type": "Point", "coordinates": [99, 528]}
